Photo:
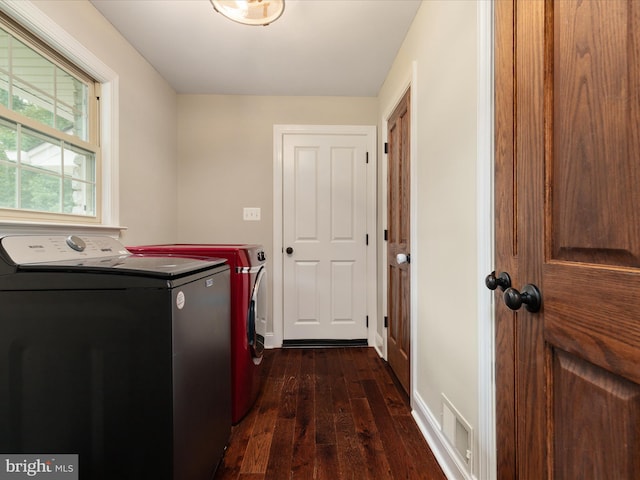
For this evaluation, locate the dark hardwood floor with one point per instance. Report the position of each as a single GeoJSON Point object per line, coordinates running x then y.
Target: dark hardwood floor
{"type": "Point", "coordinates": [328, 413]}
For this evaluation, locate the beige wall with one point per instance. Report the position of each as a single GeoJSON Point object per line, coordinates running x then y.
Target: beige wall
{"type": "Point", "coordinates": [225, 152]}
{"type": "Point", "coordinates": [147, 124]}
{"type": "Point", "coordinates": [225, 158]}
{"type": "Point", "coordinates": [442, 40]}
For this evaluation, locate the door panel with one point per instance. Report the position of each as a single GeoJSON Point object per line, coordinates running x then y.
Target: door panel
{"type": "Point", "coordinates": [567, 191]}
{"type": "Point", "coordinates": [305, 196]}
{"type": "Point", "coordinates": [598, 413]}
{"type": "Point", "coordinates": [594, 140]}
{"type": "Point", "coordinates": [399, 231]}
{"type": "Point", "coordinates": [324, 212]}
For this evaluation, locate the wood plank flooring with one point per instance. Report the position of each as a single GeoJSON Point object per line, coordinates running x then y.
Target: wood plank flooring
{"type": "Point", "coordinates": [328, 413]}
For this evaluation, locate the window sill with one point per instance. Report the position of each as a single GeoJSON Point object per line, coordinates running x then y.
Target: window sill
{"type": "Point", "coordinates": [11, 227]}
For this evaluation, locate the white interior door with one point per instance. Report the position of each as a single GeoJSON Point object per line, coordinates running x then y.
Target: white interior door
{"type": "Point", "coordinates": [324, 199]}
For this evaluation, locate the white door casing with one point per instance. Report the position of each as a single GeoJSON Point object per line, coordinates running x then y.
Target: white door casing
{"type": "Point", "coordinates": [324, 210]}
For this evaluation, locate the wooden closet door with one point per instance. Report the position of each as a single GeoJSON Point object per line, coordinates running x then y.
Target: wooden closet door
{"type": "Point", "coordinates": [398, 242]}
{"type": "Point", "coordinates": [568, 222]}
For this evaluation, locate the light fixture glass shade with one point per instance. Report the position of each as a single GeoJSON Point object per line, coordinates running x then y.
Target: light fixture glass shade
{"type": "Point", "coordinates": [250, 12]}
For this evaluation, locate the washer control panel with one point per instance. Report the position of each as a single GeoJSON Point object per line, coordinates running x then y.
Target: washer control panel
{"type": "Point", "coordinates": [25, 249]}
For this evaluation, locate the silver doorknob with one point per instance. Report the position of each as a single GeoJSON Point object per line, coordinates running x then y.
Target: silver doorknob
{"type": "Point", "coordinates": [403, 258]}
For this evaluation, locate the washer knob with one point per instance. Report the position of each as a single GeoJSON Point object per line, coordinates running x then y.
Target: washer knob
{"type": "Point", "coordinates": [76, 243]}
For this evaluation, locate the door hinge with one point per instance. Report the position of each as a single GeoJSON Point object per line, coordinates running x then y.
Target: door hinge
{"type": "Point", "coordinates": [386, 234]}
{"type": "Point", "coordinates": [367, 157]}
{"type": "Point", "coordinates": [386, 147]}
{"type": "Point", "coordinates": [367, 321]}
{"type": "Point", "coordinates": [366, 238]}
{"type": "Point", "coordinates": [386, 322]}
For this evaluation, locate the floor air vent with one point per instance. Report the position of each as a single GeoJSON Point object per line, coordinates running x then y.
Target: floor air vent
{"type": "Point", "coordinates": [458, 432]}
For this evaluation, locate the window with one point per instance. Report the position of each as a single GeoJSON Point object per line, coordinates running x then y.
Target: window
{"type": "Point", "coordinates": [49, 147]}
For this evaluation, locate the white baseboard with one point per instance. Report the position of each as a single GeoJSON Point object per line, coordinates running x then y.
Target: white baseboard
{"type": "Point", "coordinates": [270, 341]}
{"type": "Point", "coordinates": [379, 346]}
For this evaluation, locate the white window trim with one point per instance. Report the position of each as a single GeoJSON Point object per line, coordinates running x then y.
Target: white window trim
{"type": "Point", "coordinates": [32, 18]}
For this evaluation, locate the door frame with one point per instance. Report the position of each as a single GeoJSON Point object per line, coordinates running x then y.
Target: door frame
{"type": "Point", "coordinates": [274, 339]}
{"type": "Point", "coordinates": [485, 227]}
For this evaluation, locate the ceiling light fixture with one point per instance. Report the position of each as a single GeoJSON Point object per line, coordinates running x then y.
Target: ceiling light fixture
{"type": "Point", "coordinates": [250, 12]}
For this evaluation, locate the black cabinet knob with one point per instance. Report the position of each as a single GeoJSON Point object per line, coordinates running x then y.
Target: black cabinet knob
{"type": "Point", "coordinates": [289, 250]}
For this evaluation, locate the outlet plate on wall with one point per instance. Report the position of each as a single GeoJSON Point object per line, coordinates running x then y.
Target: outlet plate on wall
{"type": "Point", "coordinates": [251, 213]}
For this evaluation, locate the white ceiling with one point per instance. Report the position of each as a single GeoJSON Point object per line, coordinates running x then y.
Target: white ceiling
{"type": "Point", "coordinates": [317, 47]}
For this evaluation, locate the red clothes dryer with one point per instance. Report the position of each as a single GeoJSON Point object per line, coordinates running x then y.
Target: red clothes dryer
{"type": "Point", "coordinates": [248, 312]}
